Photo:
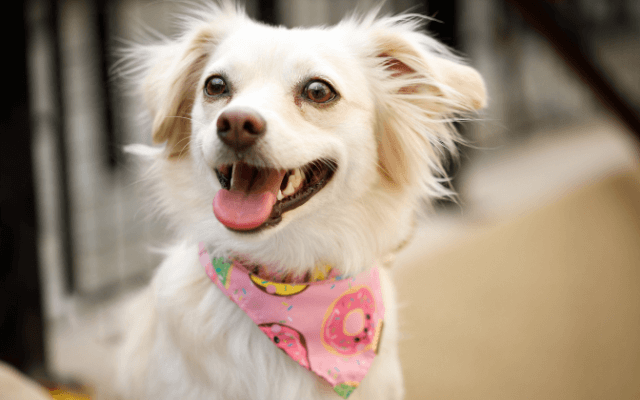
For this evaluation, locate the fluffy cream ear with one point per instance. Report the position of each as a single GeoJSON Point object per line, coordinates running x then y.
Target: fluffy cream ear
{"type": "Point", "coordinates": [422, 89]}
{"type": "Point", "coordinates": [466, 84]}
{"type": "Point", "coordinates": [170, 86]}
{"type": "Point", "coordinates": [168, 72]}
{"type": "Point", "coordinates": [411, 54]}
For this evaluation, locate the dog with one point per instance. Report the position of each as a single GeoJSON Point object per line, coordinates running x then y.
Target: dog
{"type": "Point", "coordinates": [284, 150]}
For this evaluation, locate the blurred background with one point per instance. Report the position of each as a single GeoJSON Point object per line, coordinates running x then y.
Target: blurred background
{"type": "Point", "coordinates": [530, 283]}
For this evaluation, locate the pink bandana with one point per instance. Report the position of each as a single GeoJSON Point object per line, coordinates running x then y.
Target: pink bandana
{"type": "Point", "coordinates": [330, 326]}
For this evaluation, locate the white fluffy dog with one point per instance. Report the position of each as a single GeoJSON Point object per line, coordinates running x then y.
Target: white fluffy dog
{"type": "Point", "coordinates": [331, 138]}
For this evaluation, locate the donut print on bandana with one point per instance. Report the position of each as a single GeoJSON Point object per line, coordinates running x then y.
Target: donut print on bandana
{"type": "Point", "coordinates": [349, 326]}
{"type": "Point", "coordinates": [289, 340]}
{"type": "Point", "coordinates": [328, 323]}
{"type": "Point", "coordinates": [276, 289]}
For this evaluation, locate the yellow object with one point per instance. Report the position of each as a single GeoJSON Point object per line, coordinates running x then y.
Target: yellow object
{"type": "Point", "coordinates": [59, 394]}
{"type": "Point", "coordinates": [279, 289]}
{"type": "Point", "coordinates": [320, 273]}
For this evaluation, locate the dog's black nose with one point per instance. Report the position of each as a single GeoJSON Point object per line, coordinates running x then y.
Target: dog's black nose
{"type": "Point", "coordinates": [240, 128]}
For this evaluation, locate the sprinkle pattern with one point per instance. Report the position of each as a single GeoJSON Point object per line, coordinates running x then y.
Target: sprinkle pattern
{"type": "Point", "coordinates": [289, 340]}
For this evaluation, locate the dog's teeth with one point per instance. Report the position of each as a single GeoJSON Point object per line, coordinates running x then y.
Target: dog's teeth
{"type": "Point", "coordinates": [297, 178]}
{"type": "Point", "coordinates": [289, 189]}
{"type": "Point", "coordinates": [293, 180]}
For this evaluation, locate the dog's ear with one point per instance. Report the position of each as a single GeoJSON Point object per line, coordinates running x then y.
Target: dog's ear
{"type": "Point", "coordinates": [165, 74]}
{"type": "Point", "coordinates": [422, 89]}
{"type": "Point", "coordinates": [169, 87]}
{"type": "Point", "coordinates": [410, 54]}
{"type": "Point", "coordinates": [466, 86]}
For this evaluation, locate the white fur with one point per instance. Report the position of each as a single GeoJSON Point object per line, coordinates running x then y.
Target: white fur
{"type": "Point", "coordinates": [399, 90]}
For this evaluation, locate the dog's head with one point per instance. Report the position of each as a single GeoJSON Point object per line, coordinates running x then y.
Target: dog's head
{"type": "Point", "coordinates": [303, 145]}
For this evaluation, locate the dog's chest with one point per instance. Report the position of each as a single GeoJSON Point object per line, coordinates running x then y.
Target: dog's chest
{"type": "Point", "coordinates": [228, 357]}
{"type": "Point", "coordinates": [204, 346]}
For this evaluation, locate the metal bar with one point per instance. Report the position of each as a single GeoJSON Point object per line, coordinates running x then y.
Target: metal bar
{"type": "Point", "coordinates": [21, 321]}
{"type": "Point", "coordinates": [61, 147]}
{"type": "Point", "coordinates": [111, 142]}
{"type": "Point", "coordinates": [550, 24]}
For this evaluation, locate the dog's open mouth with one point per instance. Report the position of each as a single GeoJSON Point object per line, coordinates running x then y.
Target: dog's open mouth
{"type": "Point", "coordinates": [253, 198]}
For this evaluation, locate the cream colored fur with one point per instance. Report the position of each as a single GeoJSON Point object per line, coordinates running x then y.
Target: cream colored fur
{"type": "Point", "coordinates": [15, 386]}
{"type": "Point", "coordinates": [399, 91]}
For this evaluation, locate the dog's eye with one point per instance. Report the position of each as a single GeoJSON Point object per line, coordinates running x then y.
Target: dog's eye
{"type": "Point", "coordinates": [215, 86]}
{"type": "Point", "coordinates": [319, 92]}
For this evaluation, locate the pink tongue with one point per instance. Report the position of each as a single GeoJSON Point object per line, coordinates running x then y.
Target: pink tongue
{"type": "Point", "coordinates": [249, 202]}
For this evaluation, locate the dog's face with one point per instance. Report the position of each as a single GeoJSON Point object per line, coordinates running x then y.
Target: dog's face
{"type": "Point", "coordinates": [285, 125]}
{"type": "Point", "coordinates": [305, 143]}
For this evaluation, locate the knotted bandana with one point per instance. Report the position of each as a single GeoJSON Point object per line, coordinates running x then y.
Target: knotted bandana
{"type": "Point", "coordinates": [330, 324]}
